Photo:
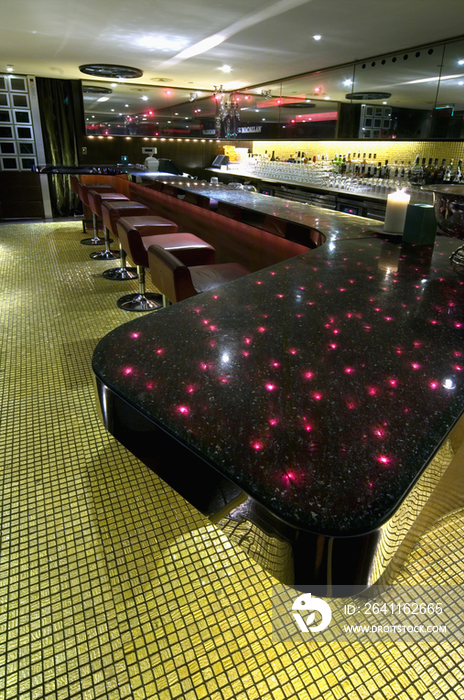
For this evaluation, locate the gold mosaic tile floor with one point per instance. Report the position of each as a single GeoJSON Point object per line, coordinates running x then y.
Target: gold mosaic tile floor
{"type": "Point", "coordinates": [111, 585]}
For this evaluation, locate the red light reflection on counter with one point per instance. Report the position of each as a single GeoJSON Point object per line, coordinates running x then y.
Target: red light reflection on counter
{"type": "Point", "coordinates": [184, 410]}
{"type": "Point", "coordinates": [383, 459]}
{"type": "Point", "coordinates": [135, 335]}
{"type": "Point", "coordinates": [128, 370]}
{"type": "Point", "coordinates": [434, 385]}
{"type": "Point", "coordinates": [270, 387]}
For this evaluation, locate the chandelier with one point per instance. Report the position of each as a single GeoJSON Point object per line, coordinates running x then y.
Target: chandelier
{"type": "Point", "coordinates": [227, 114]}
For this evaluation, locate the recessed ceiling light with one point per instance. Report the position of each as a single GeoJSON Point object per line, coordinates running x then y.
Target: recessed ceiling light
{"type": "Point", "coordinates": [347, 83]}
{"type": "Point", "coordinates": [144, 97]}
{"type": "Point", "coordinates": [461, 62]}
{"type": "Point", "coordinates": [126, 105]}
{"type": "Point", "coordinates": [317, 37]}
{"type": "Point", "coordinates": [225, 68]}
{"type": "Point", "coordinates": [10, 68]}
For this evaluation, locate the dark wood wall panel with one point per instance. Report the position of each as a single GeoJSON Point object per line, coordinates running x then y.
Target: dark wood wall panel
{"type": "Point", "coordinates": [191, 156]}
{"type": "Point", "coordinates": [20, 195]}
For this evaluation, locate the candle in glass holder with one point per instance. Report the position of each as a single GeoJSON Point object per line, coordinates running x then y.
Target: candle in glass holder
{"type": "Point", "coordinates": [395, 216]}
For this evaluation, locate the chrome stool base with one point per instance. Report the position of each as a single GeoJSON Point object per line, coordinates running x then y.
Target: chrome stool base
{"type": "Point", "coordinates": [150, 301]}
{"type": "Point", "coordinates": [120, 274]}
{"type": "Point", "coordinates": [105, 255]}
{"type": "Point", "coordinates": [93, 241]}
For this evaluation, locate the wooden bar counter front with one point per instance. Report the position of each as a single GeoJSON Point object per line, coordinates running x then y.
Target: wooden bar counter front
{"type": "Point", "coordinates": [307, 406]}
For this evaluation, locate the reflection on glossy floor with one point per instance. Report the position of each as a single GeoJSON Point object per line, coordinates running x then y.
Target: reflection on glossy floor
{"type": "Point", "coordinates": [111, 585]}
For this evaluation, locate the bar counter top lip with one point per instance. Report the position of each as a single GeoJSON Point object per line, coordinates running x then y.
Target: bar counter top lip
{"type": "Point", "coordinates": [449, 414]}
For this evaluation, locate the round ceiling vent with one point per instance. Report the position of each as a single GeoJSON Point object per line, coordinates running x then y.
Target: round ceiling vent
{"type": "Point", "coordinates": [95, 90]}
{"type": "Point", "coordinates": [368, 96]}
{"type": "Point", "coordinates": [105, 70]}
{"type": "Point", "coordinates": [298, 105]}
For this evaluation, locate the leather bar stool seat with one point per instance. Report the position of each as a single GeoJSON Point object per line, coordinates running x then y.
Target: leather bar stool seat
{"type": "Point", "coordinates": [178, 281]}
{"type": "Point", "coordinates": [83, 191]}
{"type": "Point", "coordinates": [111, 213]}
{"type": "Point", "coordinates": [136, 235]}
{"type": "Point", "coordinates": [95, 204]}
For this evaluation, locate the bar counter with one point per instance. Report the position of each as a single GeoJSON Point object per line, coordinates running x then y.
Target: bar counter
{"type": "Point", "coordinates": [333, 225]}
{"type": "Point", "coordinates": [312, 400]}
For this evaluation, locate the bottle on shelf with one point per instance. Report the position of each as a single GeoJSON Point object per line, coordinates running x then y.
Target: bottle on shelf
{"type": "Point", "coordinates": [273, 156]}
{"type": "Point", "coordinates": [448, 173]}
{"type": "Point", "coordinates": [456, 175]}
{"type": "Point", "coordinates": [440, 172]}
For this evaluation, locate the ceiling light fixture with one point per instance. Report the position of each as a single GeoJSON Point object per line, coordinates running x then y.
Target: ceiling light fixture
{"type": "Point", "coordinates": [225, 68]}
{"type": "Point", "coordinates": [94, 90]}
{"type": "Point", "coordinates": [10, 68]}
{"type": "Point", "coordinates": [368, 96]}
{"type": "Point", "coordinates": [107, 70]}
{"type": "Point", "coordinates": [317, 37]}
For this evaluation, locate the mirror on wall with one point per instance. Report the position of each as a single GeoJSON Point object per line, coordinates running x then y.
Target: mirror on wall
{"type": "Point", "coordinates": [448, 117]}
{"type": "Point", "coordinates": [411, 95]}
{"type": "Point", "coordinates": [315, 106]}
{"type": "Point", "coordinates": [122, 109]}
{"type": "Point", "coordinates": [396, 94]}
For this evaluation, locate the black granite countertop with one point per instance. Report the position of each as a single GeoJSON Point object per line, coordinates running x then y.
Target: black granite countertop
{"type": "Point", "coordinates": [334, 225]}
{"type": "Point", "coordinates": [322, 386]}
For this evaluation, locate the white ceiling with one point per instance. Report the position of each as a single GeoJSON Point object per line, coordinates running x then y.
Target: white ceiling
{"type": "Point", "coordinates": [187, 42]}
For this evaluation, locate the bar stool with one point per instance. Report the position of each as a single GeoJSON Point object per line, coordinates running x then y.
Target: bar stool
{"type": "Point", "coordinates": [187, 246]}
{"type": "Point", "coordinates": [84, 197]}
{"type": "Point", "coordinates": [177, 281]}
{"type": "Point", "coordinates": [111, 212]}
{"type": "Point", "coordinates": [136, 236]}
{"type": "Point", "coordinates": [95, 204]}
{"type": "Point", "coordinates": [75, 188]}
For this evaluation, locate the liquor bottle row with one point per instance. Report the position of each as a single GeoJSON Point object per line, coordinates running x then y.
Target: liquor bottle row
{"type": "Point", "coordinates": [300, 167]}
{"type": "Point", "coordinates": [419, 173]}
